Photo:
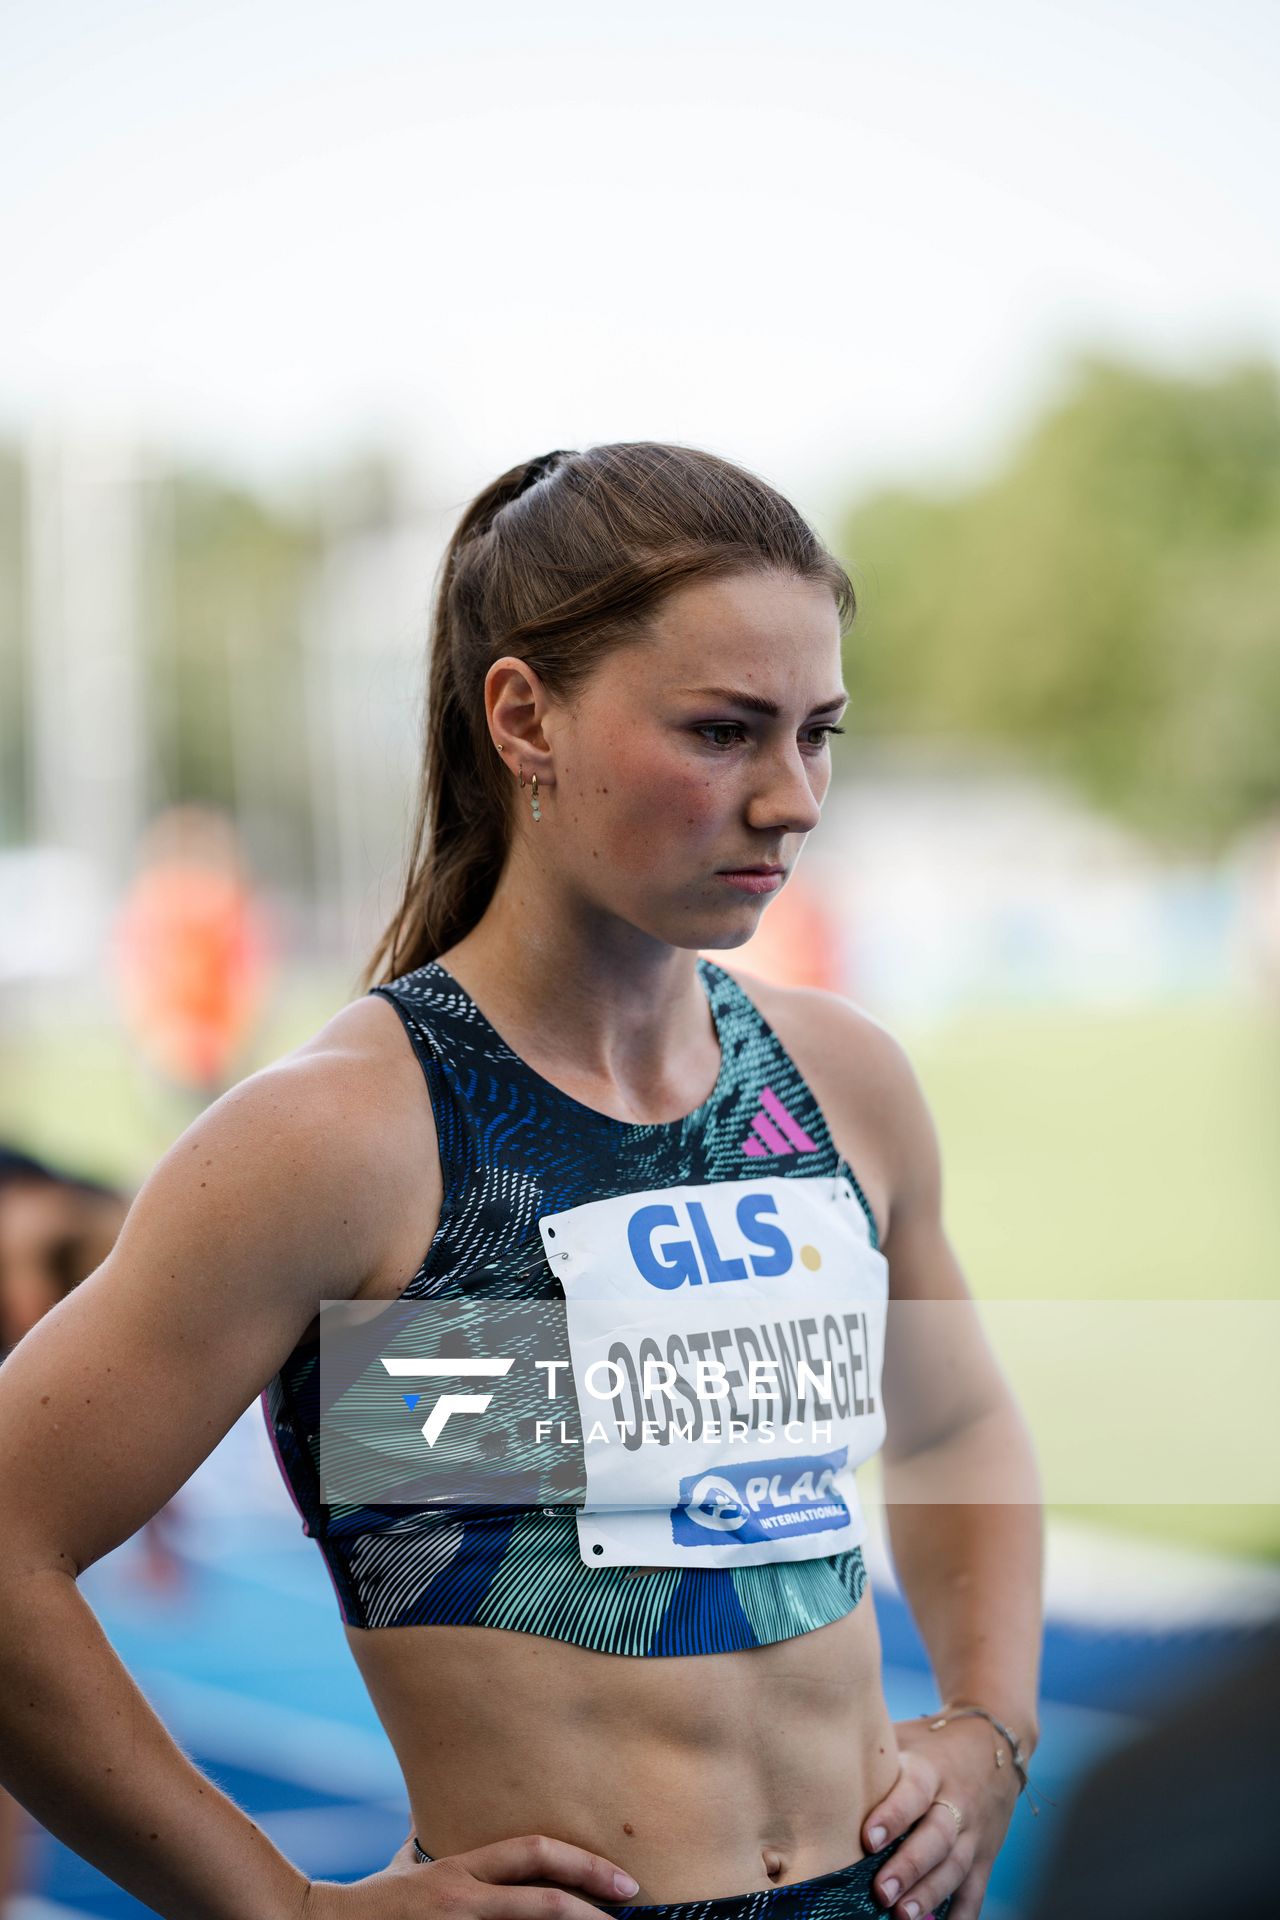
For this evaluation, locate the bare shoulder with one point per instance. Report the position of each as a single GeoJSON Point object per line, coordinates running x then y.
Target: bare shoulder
{"type": "Point", "coordinates": [312, 1156]}
{"type": "Point", "coordinates": [349, 1091]}
{"type": "Point", "coordinates": [865, 1083]}
{"type": "Point", "coordinates": [300, 1180]}
{"type": "Point", "coordinates": [355, 1096]}
{"type": "Point", "coordinates": [362, 1056]}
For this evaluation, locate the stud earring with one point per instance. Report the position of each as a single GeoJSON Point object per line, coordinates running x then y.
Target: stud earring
{"type": "Point", "coordinates": [533, 800]}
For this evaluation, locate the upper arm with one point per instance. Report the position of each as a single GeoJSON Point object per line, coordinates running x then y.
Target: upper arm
{"type": "Point", "coordinates": [939, 1371]}
{"type": "Point", "coordinates": [273, 1199]}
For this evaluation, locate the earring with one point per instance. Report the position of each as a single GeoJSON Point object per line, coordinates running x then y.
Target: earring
{"type": "Point", "coordinates": [521, 765]}
{"type": "Point", "coordinates": [533, 800]}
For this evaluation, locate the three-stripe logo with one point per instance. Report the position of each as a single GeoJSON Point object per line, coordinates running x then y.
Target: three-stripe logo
{"type": "Point", "coordinates": [775, 1131]}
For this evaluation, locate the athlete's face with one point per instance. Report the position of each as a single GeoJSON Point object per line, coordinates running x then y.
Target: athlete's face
{"type": "Point", "coordinates": [698, 752]}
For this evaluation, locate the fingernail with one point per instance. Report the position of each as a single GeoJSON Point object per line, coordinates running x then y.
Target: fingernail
{"type": "Point", "coordinates": [913, 1908]}
{"type": "Point", "coordinates": [879, 1835]}
{"type": "Point", "coordinates": [890, 1892]}
{"type": "Point", "coordinates": [625, 1884]}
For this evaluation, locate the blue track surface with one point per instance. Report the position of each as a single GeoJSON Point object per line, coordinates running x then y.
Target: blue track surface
{"type": "Point", "coordinates": [251, 1672]}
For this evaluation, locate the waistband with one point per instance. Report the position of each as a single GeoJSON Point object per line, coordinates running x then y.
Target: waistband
{"type": "Point", "coordinates": [843, 1895]}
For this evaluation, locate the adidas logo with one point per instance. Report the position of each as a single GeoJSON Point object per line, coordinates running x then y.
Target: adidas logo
{"type": "Point", "coordinates": [774, 1130]}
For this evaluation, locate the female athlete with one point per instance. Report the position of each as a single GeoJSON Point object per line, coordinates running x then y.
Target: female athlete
{"type": "Point", "coordinates": [674, 1707]}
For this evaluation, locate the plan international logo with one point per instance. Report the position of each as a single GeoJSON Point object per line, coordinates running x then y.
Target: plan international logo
{"type": "Point", "coordinates": [762, 1501]}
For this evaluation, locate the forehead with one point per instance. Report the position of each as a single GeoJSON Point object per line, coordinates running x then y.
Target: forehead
{"type": "Point", "coordinates": [752, 629]}
{"type": "Point", "coordinates": [745, 607]}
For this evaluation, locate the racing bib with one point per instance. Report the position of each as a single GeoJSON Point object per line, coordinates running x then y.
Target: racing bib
{"type": "Point", "coordinates": [726, 1342]}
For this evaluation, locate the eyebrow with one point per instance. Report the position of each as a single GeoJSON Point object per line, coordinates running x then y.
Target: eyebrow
{"type": "Point", "coordinates": [756, 702]}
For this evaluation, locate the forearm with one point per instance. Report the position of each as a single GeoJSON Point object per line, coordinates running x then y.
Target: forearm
{"type": "Point", "coordinates": [971, 1568]}
{"type": "Point", "coordinates": [83, 1751]}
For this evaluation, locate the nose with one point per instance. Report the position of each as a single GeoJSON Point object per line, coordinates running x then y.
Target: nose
{"type": "Point", "coordinates": [785, 800]}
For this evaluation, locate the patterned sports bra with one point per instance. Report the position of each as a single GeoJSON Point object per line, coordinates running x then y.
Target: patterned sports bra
{"type": "Point", "coordinates": [517, 1153]}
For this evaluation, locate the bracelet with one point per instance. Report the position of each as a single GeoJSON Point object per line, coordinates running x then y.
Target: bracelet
{"type": "Point", "coordinates": [1015, 1750]}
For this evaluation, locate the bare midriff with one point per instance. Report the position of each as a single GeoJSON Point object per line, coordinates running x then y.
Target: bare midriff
{"type": "Point", "coordinates": [699, 1774]}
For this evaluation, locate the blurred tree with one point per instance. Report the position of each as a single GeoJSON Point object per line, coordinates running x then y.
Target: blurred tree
{"type": "Point", "coordinates": [1109, 603]}
{"type": "Point", "coordinates": [225, 669]}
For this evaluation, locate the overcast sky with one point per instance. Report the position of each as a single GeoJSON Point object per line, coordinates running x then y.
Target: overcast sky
{"type": "Point", "coordinates": [836, 241]}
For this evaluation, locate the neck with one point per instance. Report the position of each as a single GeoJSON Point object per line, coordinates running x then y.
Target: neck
{"type": "Point", "coordinates": [590, 999]}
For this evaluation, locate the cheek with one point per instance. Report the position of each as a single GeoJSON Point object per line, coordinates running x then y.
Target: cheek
{"type": "Point", "coordinates": [665, 800]}
{"type": "Point", "coordinates": [633, 785]}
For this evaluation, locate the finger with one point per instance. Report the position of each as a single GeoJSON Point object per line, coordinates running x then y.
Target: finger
{"type": "Point", "coordinates": [536, 1856]}
{"type": "Point", "coordinates": [906, 1800]}
{"type": "Point", "coordinates": [933, 1886]}
{"type": "Point", "coordinates": [966, 1901]}
{"type": "Point", "coordinates": [925, 1847]}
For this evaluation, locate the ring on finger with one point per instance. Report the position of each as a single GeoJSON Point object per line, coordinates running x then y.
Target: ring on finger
{"type": "Point", "coordinates": [950, 1809]}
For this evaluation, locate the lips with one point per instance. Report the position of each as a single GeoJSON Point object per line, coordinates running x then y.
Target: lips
{"type": "Point", "coordinates": [759, 880]}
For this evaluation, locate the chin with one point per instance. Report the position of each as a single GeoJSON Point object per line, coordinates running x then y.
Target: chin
{"type": "Point", "coordinates": [718, 932]}
{"type": "Point", "coordinates": [725, 942]}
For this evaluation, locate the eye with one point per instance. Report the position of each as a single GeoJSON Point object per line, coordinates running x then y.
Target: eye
{"type": "Point", "coordinates": [720, 726]}
{"type": "Point", "coordinates": [734, 727]}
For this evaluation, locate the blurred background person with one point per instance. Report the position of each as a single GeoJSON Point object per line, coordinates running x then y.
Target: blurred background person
{"type": "Point", "coordinates": [192, 948]}
{"type": "Point", "coordinates": [55, 1228]}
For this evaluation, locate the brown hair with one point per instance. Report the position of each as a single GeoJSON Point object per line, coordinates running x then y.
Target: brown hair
{"type": "Point", "coordinates": [559, 561]}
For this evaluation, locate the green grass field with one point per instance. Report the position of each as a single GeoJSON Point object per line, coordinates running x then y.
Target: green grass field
{"type": "Point", "coordinates": [1087, 1155]}
{"type": "Point", "coordinates": [1127, 1155]}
